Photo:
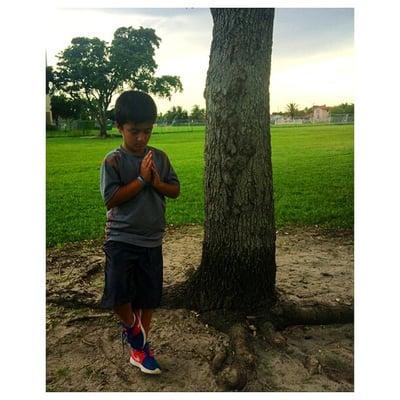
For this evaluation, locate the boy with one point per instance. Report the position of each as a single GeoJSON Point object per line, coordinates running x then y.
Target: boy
{"type": "Point", "coordinates": [134, 180]}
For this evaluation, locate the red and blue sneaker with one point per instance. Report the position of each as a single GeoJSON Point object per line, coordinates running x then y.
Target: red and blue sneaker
{"type": "Point", "coordinates": [134, 335]}
{"type": "Point", "coordinates": [144, 359]}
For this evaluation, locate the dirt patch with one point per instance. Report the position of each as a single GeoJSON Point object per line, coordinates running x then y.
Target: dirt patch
{"type": "Point", "coordinates": [84, 350]}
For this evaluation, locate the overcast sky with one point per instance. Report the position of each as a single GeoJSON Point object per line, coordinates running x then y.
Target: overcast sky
{"type": "Point", "coordinates": [312, 55]}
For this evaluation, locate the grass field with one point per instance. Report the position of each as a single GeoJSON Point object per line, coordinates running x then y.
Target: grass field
{"type": "Point", "coordinates": [312, 169]}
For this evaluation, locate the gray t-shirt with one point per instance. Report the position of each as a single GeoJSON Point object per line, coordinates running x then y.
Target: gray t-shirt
{"type": "Point", "coordinates": [140, 220]}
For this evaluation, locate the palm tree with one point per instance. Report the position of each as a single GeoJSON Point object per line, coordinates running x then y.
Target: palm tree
{"type": "Point", "coordinates": [292, 109]}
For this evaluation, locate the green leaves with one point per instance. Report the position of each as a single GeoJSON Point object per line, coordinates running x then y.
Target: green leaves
{"type": "Point", "coordinates": [83, 67]}
{"type": "Point", "coordinates": [292, 109]}
{"type": "Point", "coordinates": [93, 70]}
{"type": "Point", "coordinates": [63, 107]}
{"type": "Point", "coordinates": [132, 50]}
{"type": "Point", "coordinates": [165, 85]}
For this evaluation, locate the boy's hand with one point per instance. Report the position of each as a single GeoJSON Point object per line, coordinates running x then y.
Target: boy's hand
{"type": "Point", "coordinates": [146, 166]}
{"type": "Point", "coordinates": [155, 179]}
{"type": "Point", "coordinates": [166, 189]}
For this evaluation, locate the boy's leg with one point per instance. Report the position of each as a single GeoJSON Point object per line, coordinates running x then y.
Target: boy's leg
{"type": "Point", "coordinates": [121, 262]}
{"type": "Point", "coordinates": [145, 316]}
{"type": "Point", "coordinates": [146, 319]}
{"type": "Point", "coordinates": [132, 331]}
{"type": "Point", "coordinates": [124, 312]}
{"type": "Point", "coordinates": [150, 285]}
{"type": "Point", "coordinates": [145, 359]}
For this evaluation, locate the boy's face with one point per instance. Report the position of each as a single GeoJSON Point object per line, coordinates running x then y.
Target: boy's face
{"type": "Point", "coordinates": [136, 136]}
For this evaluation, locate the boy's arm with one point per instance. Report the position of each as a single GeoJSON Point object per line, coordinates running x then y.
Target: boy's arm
{"type": "Point", "coordinates": [131, 189]}
{"type": "Point", "coordinates": [125, 193]}
{"type": "Point", "coordinates": [167, 189]}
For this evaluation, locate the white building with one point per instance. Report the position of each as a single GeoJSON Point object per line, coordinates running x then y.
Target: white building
{"type": "Point", "coordinates": [321, 114]}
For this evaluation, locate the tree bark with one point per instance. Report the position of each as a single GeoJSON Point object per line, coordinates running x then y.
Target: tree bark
{"type": "Point", "coordinates": [238, 257]}
{"type": "Point", "coordinates": [103, 126]}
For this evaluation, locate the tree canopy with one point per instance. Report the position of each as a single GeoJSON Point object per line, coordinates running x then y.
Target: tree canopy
{"type": "Point", "coordinates": [176, 113]}
{"type": "Point", "coordinates": [343, 108]}
{"type": "Point", "coordinates": [93, 71]}
{"type": "Point", "coordinates": [197, 113]}
{"type": "Point", "coordinates": [63, 107]}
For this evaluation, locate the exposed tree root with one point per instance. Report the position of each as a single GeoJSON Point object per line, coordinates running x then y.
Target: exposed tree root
{"type": "Point", "coordinates": [232, 367]}
{"type": "Point", "coordinates": [285, 313]}
{"type": "Point", "coordinates": [282, 313]}
{"type": "Point", "coordinates": [73, 299]}
{"type": "Point", "coordinates": [88, 317]}
{"type": "Point", "coordinates": [92, 269]}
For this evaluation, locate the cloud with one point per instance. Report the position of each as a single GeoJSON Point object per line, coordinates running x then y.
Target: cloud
{"type": "Point", "coordinates": [157, 12]}
{"type": "Point", "coordinates": [300, 32]}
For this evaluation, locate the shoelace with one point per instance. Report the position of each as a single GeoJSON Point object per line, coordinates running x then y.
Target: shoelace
{"type": "Point", "coordinates": [147, 349]}
{"type": "Point", "coordinates": [124, 338]}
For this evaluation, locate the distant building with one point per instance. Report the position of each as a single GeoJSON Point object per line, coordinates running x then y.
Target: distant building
{"type": "Point", "coordinates": [321, 114]}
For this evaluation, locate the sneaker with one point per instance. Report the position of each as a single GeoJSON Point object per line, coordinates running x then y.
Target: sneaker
{"type": "Point", "coordinates": [144, 359]}
{"type": "Point", "coordinates": [134, 335]}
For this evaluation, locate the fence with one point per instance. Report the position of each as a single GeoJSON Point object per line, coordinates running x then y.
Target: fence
{"type": "Point", "coordinates": [341, 119]}
{"type": "Point", "coordinates": [163, 126]}
{"type": "Point", "coordinates": [332, 119]}
{"type": "Point", "coordinates": [72, 128]}
{"type": "Point", "coordinates": [79, 128]}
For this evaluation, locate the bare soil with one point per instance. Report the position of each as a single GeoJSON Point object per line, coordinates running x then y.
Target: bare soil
{"type": "Point", "coordinates": [84, 350]}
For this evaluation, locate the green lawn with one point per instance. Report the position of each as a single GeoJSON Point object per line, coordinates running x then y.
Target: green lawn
{"type": "Point", "coordinates": [312, 166]}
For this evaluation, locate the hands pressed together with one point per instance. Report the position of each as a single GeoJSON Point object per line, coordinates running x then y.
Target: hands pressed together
{"type": "Point", "coordinates": [149, 170]}
{"type": "Point", "coordinates": [150, 174]}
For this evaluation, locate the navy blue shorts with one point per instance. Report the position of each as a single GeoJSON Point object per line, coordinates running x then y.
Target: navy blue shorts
{"type": "Point", "coordinates": [133, 274]}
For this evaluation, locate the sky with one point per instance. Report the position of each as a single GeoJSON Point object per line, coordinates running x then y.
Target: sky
{"type": "Point", "coordinates": [312, 55]}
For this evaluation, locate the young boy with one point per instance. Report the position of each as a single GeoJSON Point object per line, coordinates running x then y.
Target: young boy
{"type": "Point", "coordinates": [134, 181]}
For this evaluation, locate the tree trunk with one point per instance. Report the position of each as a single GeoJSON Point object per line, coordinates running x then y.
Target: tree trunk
{"type": "Point", "coordinates": [238, 258]}
{"type": "Point", "coordinates": [103, 127]}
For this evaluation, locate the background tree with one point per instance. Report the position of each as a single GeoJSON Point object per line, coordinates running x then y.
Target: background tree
{"type": "Point", "coordinates": [176, 114]}
{"type": "Point", "coordinates": [111, 114]}
{"type": "Point", "coordinates": [93, 71]}
{"type": "Point", "coordinates": [292, 109]}
{"type": "Point", "coordinates": [197, 113]}
{"type": "Point", "coordinates": [67, 108]}
{"type": "Point", "coordinates": [238, 257]}
{"type": "Point", "coordinates": [307, 111]}
{"type": "Point", "coordinates": [343, 108]}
